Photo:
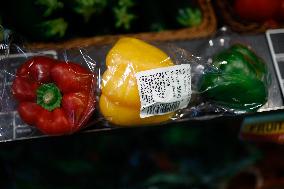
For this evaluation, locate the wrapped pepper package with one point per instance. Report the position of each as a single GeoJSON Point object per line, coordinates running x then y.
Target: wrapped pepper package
{"type": "Point", "coordinates": [130, 83]}
{"type": "Point", "coordinates": [46, 92]}
{"type": "Point", "coordinates": [140, 85]}
{"type": "Point", "coordinates": [237, 79]}
{"type": "Point", "coordinates": [144, 85]}
{"type": "Point", "coordinates": [57, 97]}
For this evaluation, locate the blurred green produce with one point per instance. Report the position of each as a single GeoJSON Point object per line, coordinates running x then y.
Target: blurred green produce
{"type": "Point", "coordinates": [123, 17]}
{"type": "Point", "coordinates": [54, 20]}
{"type": "Point", "coordinates": [189, 17]}
{"type": "Point", "coordinates": [87, 8]}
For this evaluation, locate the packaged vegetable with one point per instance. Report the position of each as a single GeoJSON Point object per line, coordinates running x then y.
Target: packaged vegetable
{"type": "Point", "coordinates": [55, 96]}
{"type": "Point", "coordinates": [134, 83]}
{"type": "Point", "coordinates": [120, 101]}
{"type": "Point", "coordinates": [236, 80]}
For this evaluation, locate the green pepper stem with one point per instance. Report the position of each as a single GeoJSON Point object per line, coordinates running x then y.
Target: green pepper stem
{"type": "Point", "coordinates": [49, 96]}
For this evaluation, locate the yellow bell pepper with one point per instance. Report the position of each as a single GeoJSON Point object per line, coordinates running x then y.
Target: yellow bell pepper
{"type": "Point", "coordinates": [120, 101]}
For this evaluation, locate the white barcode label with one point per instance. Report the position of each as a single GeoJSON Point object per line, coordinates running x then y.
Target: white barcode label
{"type": "Point", "coordinates": [164, 90]}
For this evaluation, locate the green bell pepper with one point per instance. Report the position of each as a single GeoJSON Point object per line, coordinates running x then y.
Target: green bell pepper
{"type": "Point", "coordinates": [237, 80]}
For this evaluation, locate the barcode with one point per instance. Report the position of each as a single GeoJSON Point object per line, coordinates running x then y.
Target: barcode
{"type": "Point", "coordinates": [161, 108]}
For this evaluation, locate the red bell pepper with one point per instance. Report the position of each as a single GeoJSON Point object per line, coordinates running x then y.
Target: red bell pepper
{"type": "Point", "coordinates": [55, 96]}
{"type": "Point", "coordinates": [281, 12]}
{"type": "Point", "coordinates": [258, 10]}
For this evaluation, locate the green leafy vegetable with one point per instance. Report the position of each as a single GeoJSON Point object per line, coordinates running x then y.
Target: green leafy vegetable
{"type": "Point", "coordinates": [126, 3]}
{"type": "Point", "coordinates": [156, 26]}
{"type": "Point", "coordinates": [87, 8]}
{"type": "Point", "coordinates": [122, 15]}
{"type": "Point", "coordinates": [123, 18]}
{"type": "Point", "coordinates": [189, 17]}
{"type": "Point", "coordinates": [55, 28]}
{"type": "Point", "coordinates": [49, 6]}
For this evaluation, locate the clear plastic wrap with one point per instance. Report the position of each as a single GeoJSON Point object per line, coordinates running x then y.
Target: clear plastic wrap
{"type": "Point", "coordinates": [225, 39]}
{"type": "Point", "coordinates": [46, 92]}
{"type": "Point", "coordinates": [242, 86]}
{"type": "Point", "coordinates": [159, 91]}
{"type": "Point", "coordinates": [136, 83]}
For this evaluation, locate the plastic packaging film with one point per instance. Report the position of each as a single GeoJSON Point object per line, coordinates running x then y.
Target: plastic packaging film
{"type": "Point", "coordinates": [46, 94]}
{"type": "Point", "coordinates": [132, 83]}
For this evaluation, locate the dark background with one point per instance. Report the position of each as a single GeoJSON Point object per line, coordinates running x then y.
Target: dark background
{"type": "Point", "coordinates": [194, 154]}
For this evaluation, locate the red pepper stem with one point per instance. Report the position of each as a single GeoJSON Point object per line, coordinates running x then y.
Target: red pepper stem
{"type": "Point", "coordinates": [49, 96]}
